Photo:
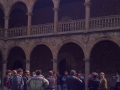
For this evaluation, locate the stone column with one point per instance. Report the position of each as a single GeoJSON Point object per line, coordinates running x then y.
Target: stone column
{"type": "Point", "coordinates": [87, 71]}
{"type": "Point", "coordinates": [4, 70]}
{"type": "Point", "coordinates": [27, 65]}
{"type": "Point", "coordinates": [55, 64]}
{"type": "Point", "coordinates": [87, 14]}
{"type": "Point", "coordinates": [29, 22]}
{"type": "Point", "coordinates": [55, 19]}
{"type": "Point", "coordinates": [6, 26]}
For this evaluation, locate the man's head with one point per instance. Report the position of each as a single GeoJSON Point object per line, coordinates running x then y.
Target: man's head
{"type": "Point", "coordinates": [38, 72]}
{"type": "Point", "coordinates": [102, 75]}
{"type": "Point", "coordinates": [50, 73]}
{"type": "Point", "coordinates": [27, 73]}
{"type": "Point", "coordinates": [66, 73]}
{"type": "Point", "coordinates": [73, 73]}
{"type": "Point", "coordinates": [14, 72]}
{"type": "Point", "coordinates": [94, 75]}
{"type": "Point", "coordinates": [20, 71]}
{"type": "Point", "coordinates": [8, 72]}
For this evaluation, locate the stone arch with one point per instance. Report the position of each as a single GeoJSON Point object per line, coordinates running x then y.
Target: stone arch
{"type": "Point", "coordinates": [41, 58]}
{"type": "Point", "coordinates": [40, 10]}
{"type": "Point", "coordinates": [17, 14]}
{"type": "Point", "coordinates": [103, 39]}
{"type": "Point", "coordinates": [72, 51]}
{"type": "Point", "coordinates": [37, 44]}
{"type": "Point", "coordinates": [18, 1]}
{"type": "Point", "coordinates": [16, 53]}
{"type": "Point", "coordinates": [72, 41]}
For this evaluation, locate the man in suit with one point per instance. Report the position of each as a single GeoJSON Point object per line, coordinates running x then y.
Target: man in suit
{"type": "Point", "coordinates": [103, 82]}
{"type": "Point", "coordinates": [94, 82]}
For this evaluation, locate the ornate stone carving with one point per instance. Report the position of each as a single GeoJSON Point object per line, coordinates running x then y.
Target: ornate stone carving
{"type": "Point", "coordinates": [27, 61]}
{"type": "Point", "coordinates": [87, 4]}
{"type": "Point", "coordinates": [6, 17]}
{"type": "Point", "coordinates": [56, 9]}
{"type": "Point", "coordinates": [4, 61]}
{"type": "Point", "coordinates": [29, 13]}
{"type": "Point", "coordinates": [54, 60]}
{"type": "Point", "coordinates": [86, 38]}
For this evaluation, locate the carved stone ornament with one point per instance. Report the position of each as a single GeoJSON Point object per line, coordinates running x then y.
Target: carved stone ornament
{"type": "Point", "coordinates": [86, 38]}
{"type": "Point", "coordinates": [4, 61]}
{"type": "Point", "coordinates": [87, 4]}
{"type": "Point", "coordinates": [54, 60]}
{"type": "Point", "coordinates": [27, 61]}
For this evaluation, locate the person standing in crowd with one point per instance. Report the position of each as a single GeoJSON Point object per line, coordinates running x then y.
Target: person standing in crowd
{"type": "Point", "coordinates": [64, 80]}
{"type": "Point", "coordinates": [89, 78]}
{"type": "Point", "coordinates": [14, 73]}
{"type": "Point", "coordinates": [117, 80]}
{"type": "Point", "coordinates": [73, 82]}
{"type": "Point", "coordinates": [94, 82]}
{"type": "Point", "coordinates": [25, 78]}
{"type": "Point", "coordinates": [18, 83]}
{"type": "Point", "coordinates": [37, 82]}
{"type": "Point", "coordinates": [79, 75]}
{"type": "Point", "coordinates": [59, 81]}
{"type": "Point", "coordinates": [51, 81]}
{"type": "Point", "coordinates": [7, 85]}
{"type": "Point", "coordinates": [103, 82]}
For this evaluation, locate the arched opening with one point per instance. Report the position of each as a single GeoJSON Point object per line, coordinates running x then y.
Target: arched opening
{"type": "Point", "coordinates": [1, 68]}
{"type": "Point", "coordinates": [1, 17]}
{"type": "Point", "coordinates": [43, 12]}
{"type": "Point", "coordinates": [18, 15]}
{"type": "Point", "coordinates": [41, 58]}
{"type": "Point", "coordinates": [71, 10]}
{"type": "Point", "coordinates": [17, 64]}
{"type": "Point", "coordinates": [70, 57]}
{"type": "Point", "coordinates": [104, 8]}
{"type": "Point", "coordinates": [16, 58]}
{"type": "Point", "coordinates": [105, 57]}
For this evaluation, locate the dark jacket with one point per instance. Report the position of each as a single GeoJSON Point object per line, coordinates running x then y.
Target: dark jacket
{"type": "Point", "coordinates": [25, 78]}
{"type": "Point", "coordinates": [18, 83]}
{"type": "Point", "coordinates": [73, 83]}
{"type": "Point", "coordinates": [94, 84]}
{"type": "Point", "coordinates": [59, 80]}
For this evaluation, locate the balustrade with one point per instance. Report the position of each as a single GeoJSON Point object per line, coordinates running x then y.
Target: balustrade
{"type": "Point", "coordinates": [16, 32]}
{"type": "Point", "coordinates": [96, 24]}
{"type": "Point", "coordinates": [42, 29]}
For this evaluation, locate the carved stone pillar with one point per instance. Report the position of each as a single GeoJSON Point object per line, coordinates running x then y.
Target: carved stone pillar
{"type": "Point", "coordinates": [4, 70]}
{"type": "Point", "coordinates": [29, 22]}
{"type": "Point", "coordinates": [6, 26]}
{"type": "Point", "coordinates": [87, 71]}
{"type": "Point", "coordinates": [27, 64]}
{"type": "Point", "coordinates": [55, 19]}
{"type": "Point", "coordinates": [87, 14]}
{"type": "Point", "coordinates": [54, 64]}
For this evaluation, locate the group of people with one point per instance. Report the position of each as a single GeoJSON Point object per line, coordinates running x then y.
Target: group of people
{"type": "Point", "coordinates": [19, 80]}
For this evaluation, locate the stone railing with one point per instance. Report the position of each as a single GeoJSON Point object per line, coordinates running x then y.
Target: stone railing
{"type": "Point", "coordinates": [105, 23]}
{"type": "Point", "coordinates": [71, 26]}
{"type": "Point", "coordinates": [2, 32]}
{"type": "Point", "coordinates": [66, 27]}
{"type": "Point", "coordinates": [17, 32]}
{"type": "Point", "coordinates": [42, 29]}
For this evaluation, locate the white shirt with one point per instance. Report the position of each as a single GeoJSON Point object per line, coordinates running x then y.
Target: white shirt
{"type": "Point", "coordinates": [118, 78]}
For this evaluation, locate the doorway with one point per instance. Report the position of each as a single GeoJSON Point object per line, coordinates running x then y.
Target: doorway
{"type": "Point", "coordinates": [17, 64]}
{"type": "Point", "coordinates": [64, 65]}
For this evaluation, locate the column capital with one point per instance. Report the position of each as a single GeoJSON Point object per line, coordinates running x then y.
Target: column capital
{"type": "Point", "coordinates": [56, 9]}
{"type": "Point", "coordinates": [86, 60]}
{"type": "Point", "coordinates": [54, 60]}
{"type": "Point", "coordinates": [27, 61]}
{"type": "Point", "coordinates": [4, 61]}
{"type": "Point", "coordinates": [87, 4]}
{"type": "Point", "coordinates": [29, 13]}
{"type": "Point", "coordinates": [6, 17]}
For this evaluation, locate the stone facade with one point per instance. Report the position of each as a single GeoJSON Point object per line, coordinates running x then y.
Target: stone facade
{"type": "Point", "coordinates": [80, 42]}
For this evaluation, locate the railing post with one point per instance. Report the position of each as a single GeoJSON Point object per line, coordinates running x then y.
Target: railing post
{"type": "Point", "coordinates": [6, 25]}
{"type": "Point", "coordinates": [87, 14]}
{"type": "Point", "coordinates": [29, 22]}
